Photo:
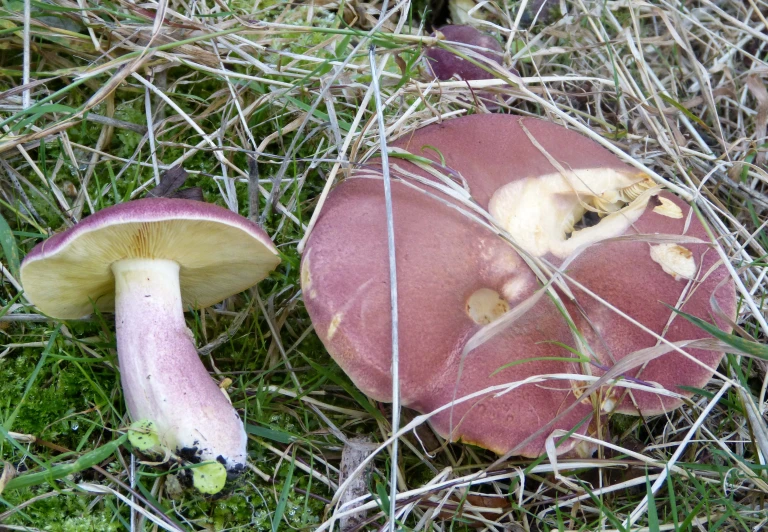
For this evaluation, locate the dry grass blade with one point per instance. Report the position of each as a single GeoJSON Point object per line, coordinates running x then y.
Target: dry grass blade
{"type": "Point", "coordinates": [757, 87]}
{"type": "Point", "coordinates": [355, 451]}
{"type": "Point", "coordinates": [642, 507]}
{"type": "Point", "coordinates": [96, 488]}
{"type": "Point", "coordinates": [395, 371]}
{"type": "Point", "coordinates": [7, 475]}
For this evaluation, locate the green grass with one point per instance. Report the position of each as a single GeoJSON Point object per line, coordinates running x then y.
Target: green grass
{"type": "Point", "coordinates": [62, 411]}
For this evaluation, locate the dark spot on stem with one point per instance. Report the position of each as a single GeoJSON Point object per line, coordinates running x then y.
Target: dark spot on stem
{"type": "Point", "coordinates": [190, 454]}
{"type": "Point", "coordinates": [234, 471]}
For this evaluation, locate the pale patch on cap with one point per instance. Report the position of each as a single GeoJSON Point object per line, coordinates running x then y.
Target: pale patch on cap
{"type": "Point", "coordinates": [485, 306]}
{"type": "Point", "coordinates": [668, 209]}
{"type": "Point", "coordinates": [540, 213]}
{"type": "Point", "coordinates": [675, 260]}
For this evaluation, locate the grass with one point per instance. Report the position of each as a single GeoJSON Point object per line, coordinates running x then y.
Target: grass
{"type": "Point", "coordinates": [265, 104]}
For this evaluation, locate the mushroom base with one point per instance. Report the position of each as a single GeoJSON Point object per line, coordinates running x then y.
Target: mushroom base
{"type": "Point", "coordinates": [163, 378]}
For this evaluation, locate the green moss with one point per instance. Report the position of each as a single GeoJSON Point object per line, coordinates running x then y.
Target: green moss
{"type": "Point", "coordinates": [59, 391]}
{"type": "Point", "coordinates": [127, 140]}
{"type": "Point", "coordinates": [66, 512]}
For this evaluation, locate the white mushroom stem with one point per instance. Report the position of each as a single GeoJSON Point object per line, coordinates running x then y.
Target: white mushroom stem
{"type": "Point", "coordinates": [163, 378]}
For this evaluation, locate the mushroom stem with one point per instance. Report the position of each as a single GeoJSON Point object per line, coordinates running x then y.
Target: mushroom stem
{"type": "Point", "coordinates": [163, 378]}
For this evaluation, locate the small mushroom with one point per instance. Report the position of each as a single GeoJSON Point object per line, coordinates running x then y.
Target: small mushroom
{"type": "Point", "coordinates": [446, 65]}
{"type": "Point", "coordinates": [148, 261]}
{"type": "Point", "coordinates": [455, 276]}
{"type": "Point", "coordinates": [541, 12]}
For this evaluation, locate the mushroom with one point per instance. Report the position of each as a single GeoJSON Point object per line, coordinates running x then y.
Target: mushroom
{"type": "Point", "coordinates": [148, 261]}
{"type": "Point", "coordinates": [541, 12]}
{"type": "Point", "coordinates": [445, 64]}
{"type": "Point", "coordinates": [456, 275]}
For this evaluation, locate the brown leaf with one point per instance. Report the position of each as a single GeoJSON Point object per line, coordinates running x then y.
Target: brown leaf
{"type": "Point", "coordinates": [170, 181]}
{"type": "Point", "coordinates": [489, 507]}
{"type": "Point", "coordinates": [170, 185]}
{"type": "Point", "coordinates": [483, 501]}
{"type": "Point", "coordinates": [191, 193]}
{"type": "Point", "coordinates": [400, 62]}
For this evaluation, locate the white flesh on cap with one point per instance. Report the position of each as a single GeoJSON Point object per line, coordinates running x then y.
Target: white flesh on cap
{"type": "Point", "coordinates": [540, 213]}
{"type": "Point", "coordinates": [163, 378]}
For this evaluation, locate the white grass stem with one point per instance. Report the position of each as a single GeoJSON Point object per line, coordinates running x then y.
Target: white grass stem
{"type": "Point", "coordinates": [274, 195]}
{"type": "Point", "coordinates": [236, 103]}
{"type": "Point", "coordinates": [87, 20]}
{"type": "Point", "coordinates": [5, 272]}
{"type": "Point", "coordinates": [132, 477]}
{"type": "Point", "coordinates": [300, 465]}
{"type": "Point", "coordinates": [229, 198]}
{"type": "Point", "coordinates": [356, 414]}
{"type": "Point", "coordinates": [106, 490]}
{"type": "Point", "coordinates": [740, 287]}
{"type": "Point", "coordinates": [244, 174]}
{"type": "Point", "coordinates": [497, 390]}
{"type": "Point", "coordinates": [392, 286]}
{"type": "Point", "coordinates": [496, 82]}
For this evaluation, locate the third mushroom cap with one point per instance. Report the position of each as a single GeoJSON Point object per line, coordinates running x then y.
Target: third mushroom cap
{"type": "Point", "coordinates": [541, 183]}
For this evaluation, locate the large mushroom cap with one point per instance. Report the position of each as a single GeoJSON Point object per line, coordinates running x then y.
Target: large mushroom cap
{"type": "Point", "coordinates": [219, 254]}
{"type": "Point", "coordinates": [456, 275]}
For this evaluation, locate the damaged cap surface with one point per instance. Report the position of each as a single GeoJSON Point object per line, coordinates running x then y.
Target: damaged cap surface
{"type": "Point", "coordinates": [445, 259]}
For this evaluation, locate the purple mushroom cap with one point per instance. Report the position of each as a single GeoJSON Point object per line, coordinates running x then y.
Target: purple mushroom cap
{"type": "Point", "coordinates": [455, 276]}
{"type": "Point", "coordinates": [220, 253]}
{"type": "Point", "coordinates": [444, 64]}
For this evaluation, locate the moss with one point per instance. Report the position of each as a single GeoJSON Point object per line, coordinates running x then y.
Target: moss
{"type": "Point", "coordinates": [127, 140]}
{"type": "Point", "coordinates": [66, 512]}
{"type": "Point", "coordinates": [59, 391]}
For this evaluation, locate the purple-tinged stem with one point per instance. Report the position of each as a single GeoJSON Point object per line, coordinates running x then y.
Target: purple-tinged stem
{"type": "Point", "coordinates": [163, 378]}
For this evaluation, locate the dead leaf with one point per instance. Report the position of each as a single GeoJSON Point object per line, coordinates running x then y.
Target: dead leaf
{"type": "Point", "coordinates": [170, 185]}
